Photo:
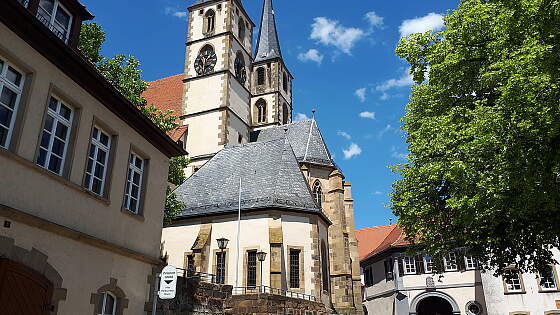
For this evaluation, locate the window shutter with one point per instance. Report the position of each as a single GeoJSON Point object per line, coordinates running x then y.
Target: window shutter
{"type": "Point", "coordinates": [461, 261]}
{"type": "Point", "coordinates": [420, 264]}
{"type": "Point", "coordinates": [401, 266]}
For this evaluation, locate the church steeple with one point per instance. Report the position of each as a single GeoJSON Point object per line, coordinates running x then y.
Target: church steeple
{"type": "Point", "coordinates": [268, 46]}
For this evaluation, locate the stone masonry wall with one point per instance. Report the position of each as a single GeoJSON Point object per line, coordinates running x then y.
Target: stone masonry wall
{"type": "Point", "coordinates": [265, 304]}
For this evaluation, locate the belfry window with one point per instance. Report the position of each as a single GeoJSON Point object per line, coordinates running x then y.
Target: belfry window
{"type": "Point", "coordinates": [209, 21]}
{"type": "Point", "coordinates": [285, 82]}
{"type": "Point", "coordinates": [318, 194]}
{"type": "Point", "coordinates": [260, 76]}
{"type": "Point", "coordinates": [286, 114]}
{"type": "Point", "coordinates": [241, 30]}
{"type": "Point", "coordinates": [261, 111]}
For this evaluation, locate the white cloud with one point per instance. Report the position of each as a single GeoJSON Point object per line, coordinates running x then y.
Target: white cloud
{"type": "Point", "coordinates": [399, 155]}
{"type": "Point", "coordinates": [311, 55]}
{"type": "Point", "coordinates": [384, 131]}
{"type": "Point", "coordinates": [369, 115]}
{"type": "Point", "coordinates": [430, 22]}
{"type": "Point", "coordinates": [176, 13]}
{"type": "Point", "coordinates": [374, 20]}
{"type": "Point", "coordinates": [344, 134]}
{"type": "Point", "coordinates": [300, 117]}
{"type": "Point", "coordinates": [352, 151]}
{"type": "Point", "coordinates": [361, 94]}
{"type": "Point", "coordinates": [330, 32]}
{"type": "Point", "coordinates": [404, 80]}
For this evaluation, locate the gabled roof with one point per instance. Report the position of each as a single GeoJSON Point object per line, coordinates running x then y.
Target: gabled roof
{"type": "Point", "coordinates": [166, 94]}
{"type": "Point", "coordinates": [270, 175]}
{"type": "Point", "coordinates": [374, 240]}
{"type": "Point", "coordinates": [304, 137]}
{"type": "Point", "coordinates": [268, 45]}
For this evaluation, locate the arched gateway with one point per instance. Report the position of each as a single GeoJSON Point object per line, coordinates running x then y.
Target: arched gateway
{"type": "Point", "coordinates": [434, 303]}
{"type": "Point", "coordinates": [24, 291]}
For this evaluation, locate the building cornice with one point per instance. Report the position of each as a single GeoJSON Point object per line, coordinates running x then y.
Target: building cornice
{"type": "Point", "coordinates": [48, 226]}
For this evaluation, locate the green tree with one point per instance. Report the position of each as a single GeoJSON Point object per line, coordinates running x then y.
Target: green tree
{"type": "Point", "coordinates": [483, 130]}
{"type": "Point", "coordinates": [124, 73]}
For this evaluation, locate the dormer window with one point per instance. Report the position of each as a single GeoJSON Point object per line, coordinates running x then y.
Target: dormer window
{"type": "Point", "coordinates": [55, 17]}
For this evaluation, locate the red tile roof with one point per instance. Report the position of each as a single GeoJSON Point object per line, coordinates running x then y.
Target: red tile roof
{"type": "Point", "coordinates": [177, 133]}
{"type": "Point", "coordinates": [374, 240]}
{"type": "Point", "coordinates": [166, 94]}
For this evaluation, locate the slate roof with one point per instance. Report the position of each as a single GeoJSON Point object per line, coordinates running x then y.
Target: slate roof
{"type": "Point", "coordinates": [271, 178]}
{"type": "Point", "coordinates": [268, 45]}
{"type": "Point", "coordinates": [299, 135]}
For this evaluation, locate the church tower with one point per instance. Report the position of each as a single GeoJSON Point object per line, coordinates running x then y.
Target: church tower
{"type": "Point", "coordinates": [217, 78]}
{"type": "Point", "coordinates": [271, 102]}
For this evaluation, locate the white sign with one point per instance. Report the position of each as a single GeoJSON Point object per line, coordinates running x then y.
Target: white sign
{"type": "Point", "coordinates": [168, 283]}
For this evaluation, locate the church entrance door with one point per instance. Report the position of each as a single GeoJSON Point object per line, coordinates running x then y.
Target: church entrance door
{"type": "Point", "coordinates": [23, 291]}
{"type": "Point", "coordinates": [434, 305]}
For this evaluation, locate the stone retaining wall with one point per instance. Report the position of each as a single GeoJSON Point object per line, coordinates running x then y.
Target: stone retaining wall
{"type": "Point", "coordinates": [264, 304]}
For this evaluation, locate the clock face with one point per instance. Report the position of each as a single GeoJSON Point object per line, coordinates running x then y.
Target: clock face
{"type": "Point", "coordinates": [240, 71]}
{"type": "Point", "coordinates": [206, 61]}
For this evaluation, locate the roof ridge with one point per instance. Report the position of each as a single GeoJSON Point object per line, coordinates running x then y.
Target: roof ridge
{"type": "Point", "coordinates": [376, 227]}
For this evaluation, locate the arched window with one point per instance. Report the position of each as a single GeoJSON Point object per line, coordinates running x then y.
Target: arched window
{"type": "Point", "coordinates": [261, 111]}
{"type": "Point", "coordinates": [109, 306]}
{"type": "Point", "coordinates": [260, 76]}
{"type": "Point", "coordinates": [286, 114]}
{"type": "Point", "coordinates": [325, 266]}
{"type": "Point", "coordinates": [318, 194]}
{"type": "Point", "coordinates": [209, 21]}
{"type": "Point", "coordinates": [240, 71]}
{"type": "Point", "coordinates": [285, 82]}
{"type": "Point", "coordinates": [241, 29]}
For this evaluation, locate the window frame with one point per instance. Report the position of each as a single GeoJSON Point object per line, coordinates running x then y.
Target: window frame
{"type": "Point", "coordinates": [221, 271]}
{"type": "Point", "coordinates": [57, 117]}
{"type": "Point", "coordinates": [249, 266]}
{"type": "Point", "coordinates": [472, 264]}
{"type": "Point", "coordinates": [52, 21]}
{"type": "Point", "coordinates": [446, 262]}
{"type": "Point", "coordinates": [295, 270]}
{"type": "Point", "coordinates": [19, 91]}
{"type": "Point", "coordinates": [262, 115]}
{"type": "Point", "coordinates": [99, 146]}
{"type": "Point", "coordinates": [141, 186]}
{"type": "Point", "coordinates": [554, 274]}
{"type": "Point", "coordinates": [104, 303]}
{"type": "Point", "coordinates": [209, 25]}
{"type": "Point", "coordinates": [428, 265]}
{"type": "Point", "coordinates": [409, 265]}
{"type": "Point", "coordinates": [318, 193]}
{"type": "Point", "coordinates": [507, 290]}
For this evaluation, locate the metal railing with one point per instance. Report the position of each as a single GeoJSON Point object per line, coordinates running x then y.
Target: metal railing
{"type": "Point", "coordinates": [273, 291]}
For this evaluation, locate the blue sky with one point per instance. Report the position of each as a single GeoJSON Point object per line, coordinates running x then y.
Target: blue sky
{"type": "Point", "coordinates": [341, 54]}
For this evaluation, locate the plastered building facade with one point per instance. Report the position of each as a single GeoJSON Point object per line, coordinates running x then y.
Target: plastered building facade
{"type": "Point", "coordinates": [246, 153]}
{"type": "Point", "coordinates": [72, 241]}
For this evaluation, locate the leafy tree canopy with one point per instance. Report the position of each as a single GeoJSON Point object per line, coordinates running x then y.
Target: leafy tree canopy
{"type": "Point", "coordinates": [483, 129]}
{"type": "Point", "coordinates": [124, 73]}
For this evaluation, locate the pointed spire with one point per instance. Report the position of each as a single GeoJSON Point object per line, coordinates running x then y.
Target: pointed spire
{"type": "Point", "coordinates": [268, 46]}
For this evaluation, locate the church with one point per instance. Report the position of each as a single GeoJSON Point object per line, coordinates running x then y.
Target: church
{"type": "Point", "coordinates": [258, 183]}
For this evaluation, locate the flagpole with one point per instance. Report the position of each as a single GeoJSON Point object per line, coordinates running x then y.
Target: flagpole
{"type": "Point", "coordinates": [238, 236]}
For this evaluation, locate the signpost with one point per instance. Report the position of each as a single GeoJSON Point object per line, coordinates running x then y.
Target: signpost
{"type": "Point", "coordinates": [168, 283]}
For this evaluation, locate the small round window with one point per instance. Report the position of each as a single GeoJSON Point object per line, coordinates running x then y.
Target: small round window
{"type": "Point", "coordinates": [474, 308]}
